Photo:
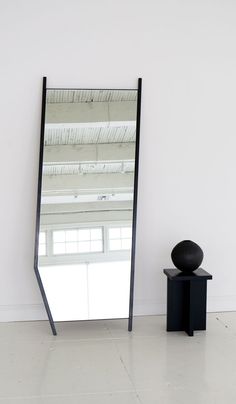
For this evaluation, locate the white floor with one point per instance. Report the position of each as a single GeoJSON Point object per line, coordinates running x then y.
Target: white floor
{"type": "Point", "coordinates": [100, 362]}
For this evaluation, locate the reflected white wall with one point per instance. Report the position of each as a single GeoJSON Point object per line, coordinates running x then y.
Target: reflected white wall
{"type": "Point", "coordinates": [66, 290]}
{"type": "Point", "coordinates": [109, 284]}
{"type": "Point", "coordinates": [87, 292]}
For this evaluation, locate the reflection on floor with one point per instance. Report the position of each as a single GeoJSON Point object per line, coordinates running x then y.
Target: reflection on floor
{"type": "Point", "coordinates": [100, 362]}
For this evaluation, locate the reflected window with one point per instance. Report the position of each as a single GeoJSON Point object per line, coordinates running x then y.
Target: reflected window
{"type": "Point", "coordinates": [76, 241]}
{"type": "Point", "coordinates": [120, 238]}
{"type": "Point", "coordinates": [42, 243]}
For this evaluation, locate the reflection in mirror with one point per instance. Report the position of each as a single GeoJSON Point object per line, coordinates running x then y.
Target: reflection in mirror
{"type": "Point", "coordinates": [86, 211]}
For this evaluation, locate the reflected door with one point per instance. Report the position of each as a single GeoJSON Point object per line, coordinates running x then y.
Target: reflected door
{"type": "Point", "coordinates": [87, 203]}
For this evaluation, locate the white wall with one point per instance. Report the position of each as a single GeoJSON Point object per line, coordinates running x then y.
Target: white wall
{"type": "Point", "coordinates": [185, 51]}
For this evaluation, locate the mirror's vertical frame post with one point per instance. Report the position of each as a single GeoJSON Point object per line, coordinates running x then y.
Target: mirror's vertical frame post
{"type": "Point", "coordinates": [138, 120]}
{"type": "Point", "coordinates": [37, 228]}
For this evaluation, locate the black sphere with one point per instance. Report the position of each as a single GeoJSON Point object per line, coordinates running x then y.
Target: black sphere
{"type": "Point", "coordinates": [187, 256]}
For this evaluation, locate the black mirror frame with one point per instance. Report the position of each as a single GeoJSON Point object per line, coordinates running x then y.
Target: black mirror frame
{"type": "Point", "coordinates": [39, 192]}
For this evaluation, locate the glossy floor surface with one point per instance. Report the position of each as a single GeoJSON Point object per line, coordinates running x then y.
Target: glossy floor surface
{"type": "Point", "coordinates": [99, 362]}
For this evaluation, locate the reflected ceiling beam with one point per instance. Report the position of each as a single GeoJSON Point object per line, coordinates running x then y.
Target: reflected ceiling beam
{"type": "Point", "coordinates": [100, 216]}
{"type": "Point", "coordinates": [86, 207]}
{"type": "Point", "coordinates": [75, 198]}
{"type": "Point", "coordinates": [120, 113]}
{"type": "Point", "coordinates": [93, 183]}
{"type": "Point", "coordinates": [68, 154]}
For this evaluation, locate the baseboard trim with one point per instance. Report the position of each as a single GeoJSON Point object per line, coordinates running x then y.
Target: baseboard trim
{"type": "Point", "coordinates": [221, 303]}
{"type": "Point", "coordinates": [22, 312]}
{"type": "Point", "coordinates": [149, 307]}
{"type": "Point", "coordinates": [142, 307]}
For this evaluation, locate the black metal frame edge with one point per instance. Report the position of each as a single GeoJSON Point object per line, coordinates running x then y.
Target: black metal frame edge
{"type": "Point", "coordinates": [96, 89]}
{"type": "Point", "coordinates": [40, 172]}
{"type": "Point", "coordinates": [138, 120]}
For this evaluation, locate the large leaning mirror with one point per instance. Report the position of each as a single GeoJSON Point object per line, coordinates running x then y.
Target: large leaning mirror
{"type": "Point", "coordinates": [87, 203]}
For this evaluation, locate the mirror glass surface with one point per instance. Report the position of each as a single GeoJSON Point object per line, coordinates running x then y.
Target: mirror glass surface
{"type": "Point", "coordinates": [87, 202]}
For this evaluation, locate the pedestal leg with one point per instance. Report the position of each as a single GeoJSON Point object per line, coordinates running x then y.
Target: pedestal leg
{"type": "Point", "coordinates": [195, 306]}
{"type": "Point", "coordinates": [175, 305]}
{"type": "Point", "coordinates": [189, 309]}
